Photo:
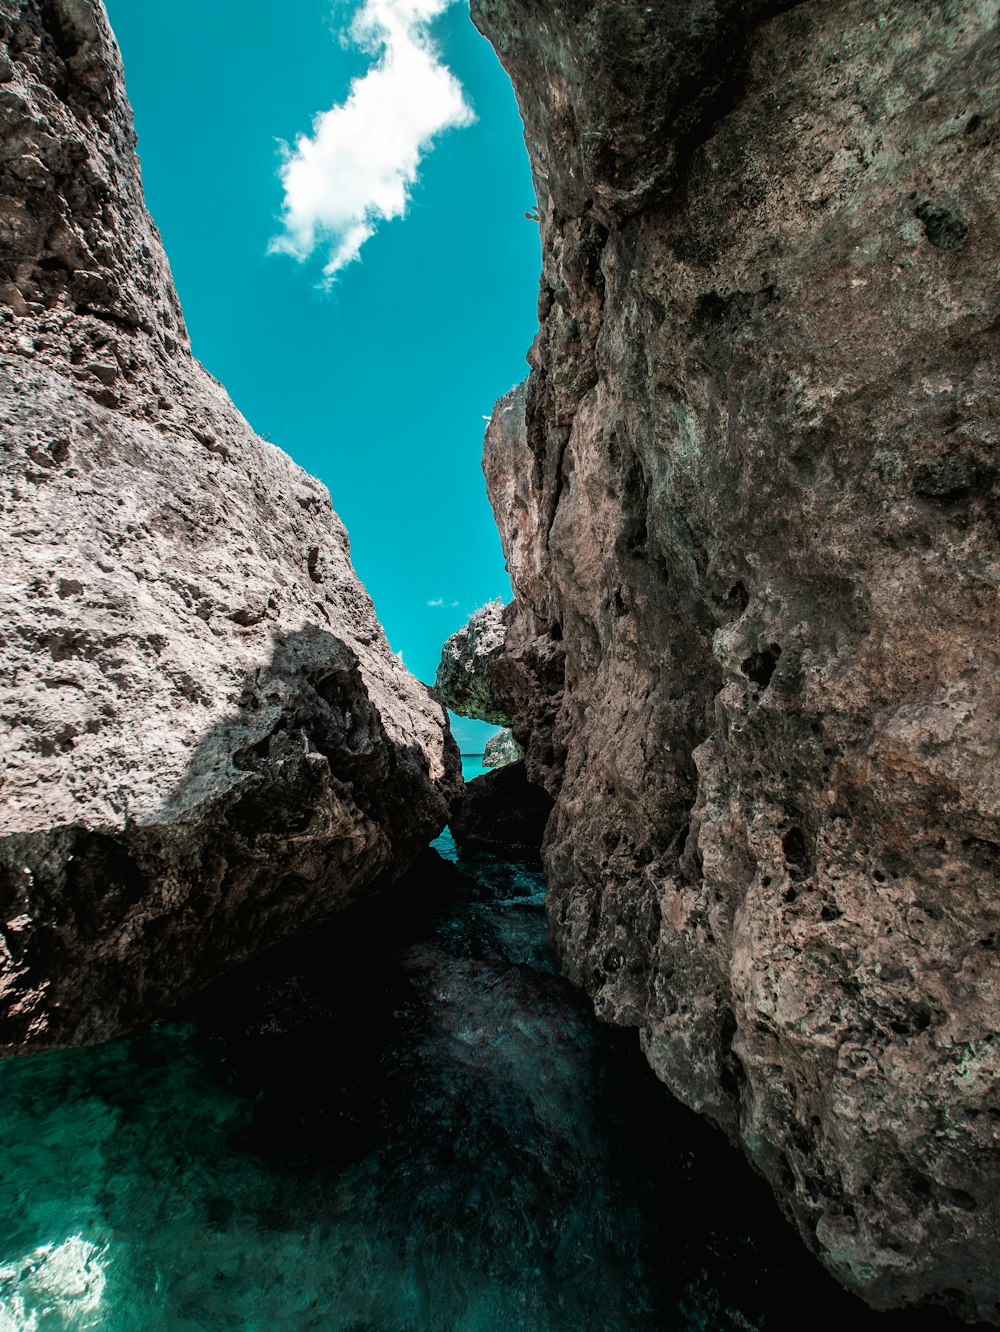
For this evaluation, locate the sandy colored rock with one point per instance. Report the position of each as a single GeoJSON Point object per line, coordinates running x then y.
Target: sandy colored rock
{"type": "Point", "coordinates": [748, 498]}
{"type": "Point", "coordinates": [206, 742]}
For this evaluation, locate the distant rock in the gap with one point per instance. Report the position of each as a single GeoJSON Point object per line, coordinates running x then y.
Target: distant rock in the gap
{"type": "Point", "coordinates": [501, 811]}
{"type": "Point", "coordinates": [463, 681]}
{"type": "Point", "coordinates": [749, 498]}
{"type": "Point", "coordinates": [207, 744]}
{"type": "Point", "coordinates": [502, 749]}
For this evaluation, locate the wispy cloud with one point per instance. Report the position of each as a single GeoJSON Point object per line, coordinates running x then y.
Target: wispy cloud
{"type": "Point", "coordinates": [440, 601]}
{"type": "Point", "coordinates": [361, 160]}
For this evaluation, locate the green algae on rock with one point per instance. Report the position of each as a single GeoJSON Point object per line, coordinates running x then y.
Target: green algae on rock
{"type": "Point", "coordinates": [502, 749]}
{"type": "Point", "coordinates": [462, 682]}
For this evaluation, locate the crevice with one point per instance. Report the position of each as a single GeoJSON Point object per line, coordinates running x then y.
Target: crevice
{"type": "Point", "coordinates": [760, 666]}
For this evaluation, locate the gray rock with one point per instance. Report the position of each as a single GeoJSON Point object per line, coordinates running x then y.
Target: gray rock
{"type": "Point", "coordinates": [207, 743]}
{"type": "Point", "coordinates": [502, 749]}
{"type": "Point", "coordinates": [463, 680]}
{"type": "Point", "coordinates": [748, 498]}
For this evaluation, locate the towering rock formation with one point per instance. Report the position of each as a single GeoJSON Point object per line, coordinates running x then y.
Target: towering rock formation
{"type": "Point", "coordinates": [206, 741]}
{"type": "Point", "coordinates": [749, 500]}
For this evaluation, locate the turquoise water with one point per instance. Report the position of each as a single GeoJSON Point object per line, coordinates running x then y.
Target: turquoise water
{"type": "Point", "coordinates": [406, 1123]}
{"type": "Point", "coordinates": [472, 766]}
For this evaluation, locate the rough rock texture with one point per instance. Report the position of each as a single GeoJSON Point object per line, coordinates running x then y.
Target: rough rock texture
{"type": "Point", "coordinates": [501, 811]}
{"type": "Point", "coordinates": [463, 682]}
{"type": "Point", "coordinates": [502, 749]}
{"type": "Point", "coordinates": [749, 501]}
{"type": "Point", "coordinates": [206, 743]}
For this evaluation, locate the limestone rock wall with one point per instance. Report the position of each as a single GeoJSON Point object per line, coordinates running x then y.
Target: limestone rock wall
{"type": "Point", "coordinates": [749, 502]}
{"type": "Point", "coordinates": [206, 741]}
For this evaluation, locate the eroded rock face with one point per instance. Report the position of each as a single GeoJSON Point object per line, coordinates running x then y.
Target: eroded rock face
{"type": "Point", "coordinates": [501, 811]}
{"type": "Point", "coordinates": [463, 680]}
{"type": "Point", "coordinates": [207, 743]}
{"type": "Point", "coordinates": [748, 498]}
{"type": "Point", "coordinates": [502, 749]}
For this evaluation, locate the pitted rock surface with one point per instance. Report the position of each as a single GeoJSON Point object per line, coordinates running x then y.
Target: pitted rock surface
{"type": "Point", "coordinates": [502, 749]}
{"type": "Point", "coordinates": [463, 680]}
{"type": "Point", "coordinates": [207, 743]}
{"type": "Point", "coordinates": [748, 498]}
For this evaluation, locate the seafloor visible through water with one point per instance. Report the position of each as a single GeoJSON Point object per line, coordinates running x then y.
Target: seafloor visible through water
{"type": "Point", "coordinates": [407, 1121]}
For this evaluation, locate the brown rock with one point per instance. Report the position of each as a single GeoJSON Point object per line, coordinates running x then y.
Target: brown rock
{"type": "Point", "coordinates": [206, 743]}
{"type": "Point", "coordinates": [749, 502]}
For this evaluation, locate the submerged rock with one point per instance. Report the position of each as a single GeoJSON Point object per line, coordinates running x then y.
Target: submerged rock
{"type": "Point", "coordinates": [748, 499]}
{"type": "Point", "coordinates": [207, 743]}
{"type": "Point", "coordinates": [463, 677]}
{"type": "Point", "coordinates": [502, 749]}
{"type": "Point", "coordinates": [501, 811]}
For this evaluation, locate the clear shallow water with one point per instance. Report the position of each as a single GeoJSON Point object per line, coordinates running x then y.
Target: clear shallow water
{"type": "Point", "coordinates": [406, 1123]}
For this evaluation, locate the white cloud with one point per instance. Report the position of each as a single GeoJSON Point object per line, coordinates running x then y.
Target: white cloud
{"type": "Point", "coordinates": [359, 164]}
{"type": "Point", "coordinates": [438, 601]}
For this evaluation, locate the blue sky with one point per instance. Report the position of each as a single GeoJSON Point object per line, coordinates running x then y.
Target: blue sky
{"type": "Point", "coordinates": [378, 382]}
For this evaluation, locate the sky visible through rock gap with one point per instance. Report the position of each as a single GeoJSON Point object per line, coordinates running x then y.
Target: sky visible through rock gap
{"type": "Point", "coordinates": [279, 146]}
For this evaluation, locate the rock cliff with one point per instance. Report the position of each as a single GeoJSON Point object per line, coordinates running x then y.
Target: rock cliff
{"type": "Point", "coordinates": [749, 502]}
{"type": "Point", "coordinates": [207, 743]}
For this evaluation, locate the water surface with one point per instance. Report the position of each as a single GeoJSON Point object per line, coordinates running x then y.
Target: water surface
{"type": "Point", "coordinates": [406, 1123]}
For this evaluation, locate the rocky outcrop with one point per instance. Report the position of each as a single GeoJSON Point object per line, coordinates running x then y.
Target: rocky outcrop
{"type": "Point", "coordinates": [748, 498]}
{"type": "Point", "coordinates": [501, 811]}
{"type": "Point", "coordinates": [207, 743]}
{"type": "Point", "coordinates": [502, 749]}
{"type": "Point", "coordinates": [463, 674]}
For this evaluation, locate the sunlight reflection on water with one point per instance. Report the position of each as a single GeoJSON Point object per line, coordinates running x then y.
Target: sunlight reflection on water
{"type": "Point", "coordinates": [54, 1286]}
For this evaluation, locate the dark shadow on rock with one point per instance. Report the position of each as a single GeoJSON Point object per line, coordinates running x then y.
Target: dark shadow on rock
{"type": "Point", "coordinates": [311, 1018]}
{"type": "Point", "coordinates": [419, 1072]}
{"type": "Point", "coordinates": [501, 811]}
{"type": "Point", "coordinates": [290, 806]}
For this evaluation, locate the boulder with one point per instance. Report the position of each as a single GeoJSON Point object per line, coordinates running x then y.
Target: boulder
{"type": "Point", "coordinates": [207, 744]}
{"type": "Point", "coordinates": [502, 749]}
{"type": "Point", "coordinates": [463, 681]}
{"type": "Point", "coordinates": [502, 812]}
